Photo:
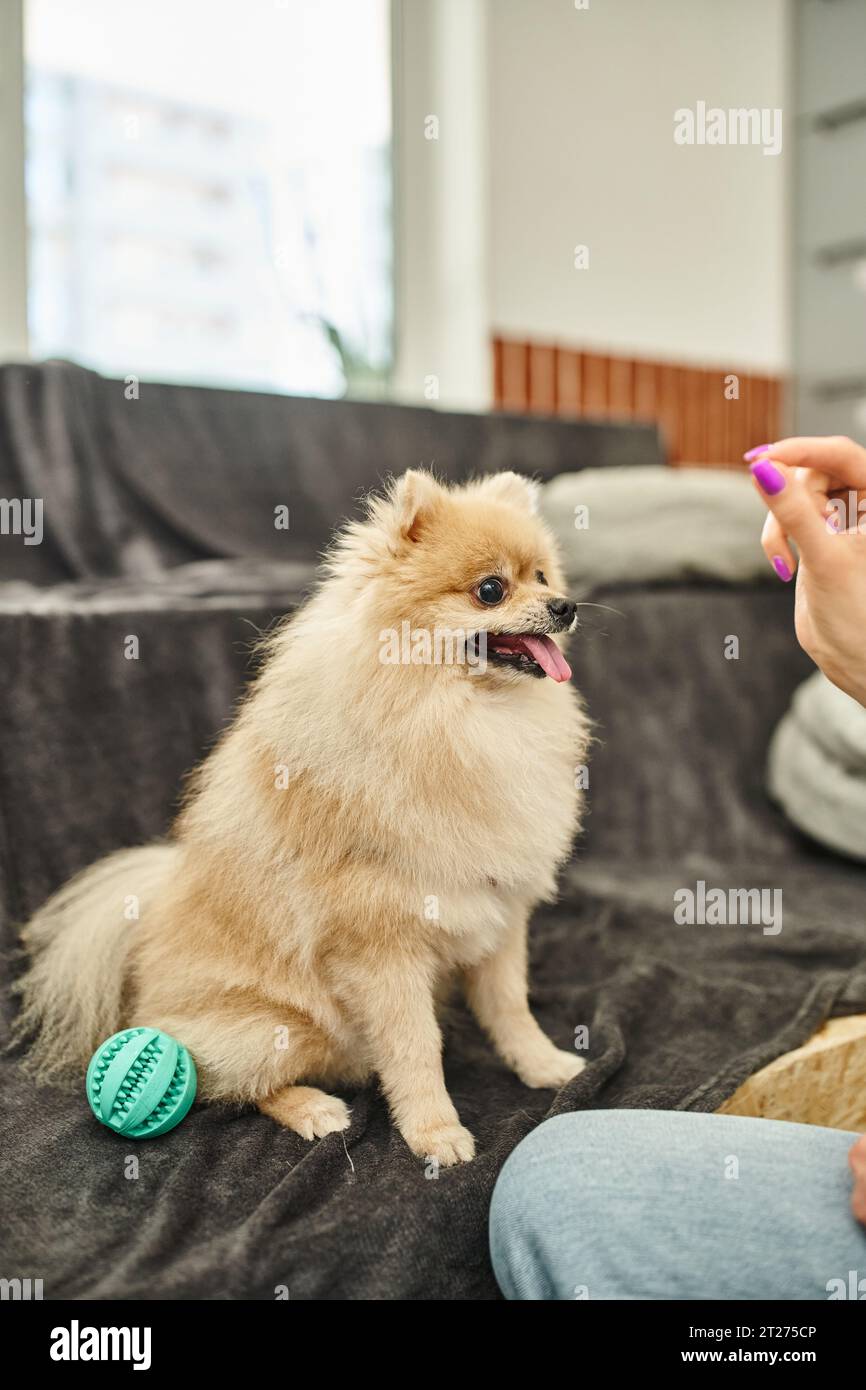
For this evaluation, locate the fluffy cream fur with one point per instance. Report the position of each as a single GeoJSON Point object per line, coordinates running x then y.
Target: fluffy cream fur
{"type": "Point", "coordinates": [363, 835]}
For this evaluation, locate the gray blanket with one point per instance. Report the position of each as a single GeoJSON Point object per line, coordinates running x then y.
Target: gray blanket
{"type": "Point", "coordinates": [229, 1205]}
{"type": "Point", "coordinates": [131, 487]}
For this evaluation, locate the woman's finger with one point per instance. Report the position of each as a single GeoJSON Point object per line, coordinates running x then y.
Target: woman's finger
{"type": "Point", "coordinates": [797, 510]}
{"type": "Point", "coordinates": [777, 549]}
{"type": "Point", "coordinates": [857, 1157]}
{"type": "Point", "coordinates": [833, 454]}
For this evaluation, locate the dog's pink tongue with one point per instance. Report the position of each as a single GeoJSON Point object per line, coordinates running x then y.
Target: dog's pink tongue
{"type": "Point", "coordinates": [549, 657]}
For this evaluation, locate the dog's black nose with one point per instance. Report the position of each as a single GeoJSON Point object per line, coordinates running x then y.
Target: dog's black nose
{"type": "Point", "coordinates": [563, 610]}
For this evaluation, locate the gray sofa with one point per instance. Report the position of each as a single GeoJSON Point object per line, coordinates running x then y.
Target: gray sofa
{"type": "Point", "coordinates": [159, 523]}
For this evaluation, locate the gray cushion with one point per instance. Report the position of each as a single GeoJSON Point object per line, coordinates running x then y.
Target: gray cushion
{"type": "Point", "coordinates": [657, 524]}
{"type": "Point", "coordinates": [817, 766]}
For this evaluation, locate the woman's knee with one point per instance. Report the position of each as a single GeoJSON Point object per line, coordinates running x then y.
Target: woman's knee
{"type": "Point", "coordinates": [551, 1202]}
{"type": "Point", "coordinates": [662, 1204]}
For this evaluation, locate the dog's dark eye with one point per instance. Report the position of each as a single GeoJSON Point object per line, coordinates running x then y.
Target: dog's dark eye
{"type": "Point", "coordinates": [491, 590]}
{"type": "Point", "coordinates": [540, 579]}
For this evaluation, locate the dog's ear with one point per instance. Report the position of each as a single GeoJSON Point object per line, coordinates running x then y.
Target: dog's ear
{"type": "Point", "coordinates": [512, 488]}
{"type": "Point", "coordinates": [414, 498]}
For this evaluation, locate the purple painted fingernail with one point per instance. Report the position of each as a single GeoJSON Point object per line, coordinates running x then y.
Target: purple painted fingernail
{"type": "Point", "coordinates": [753, 453]}
{"type": "Point", "coordinates": [767, 477]}
{"type": "Point", "coordinates": [781, 568]}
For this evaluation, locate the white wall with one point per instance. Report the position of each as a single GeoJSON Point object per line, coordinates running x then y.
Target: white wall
{"type": "Point", "coordinates": [687, 244]}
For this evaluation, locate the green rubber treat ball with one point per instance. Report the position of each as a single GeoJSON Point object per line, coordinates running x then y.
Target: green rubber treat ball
{"type": "Point", "coordinates": [141, 1083]}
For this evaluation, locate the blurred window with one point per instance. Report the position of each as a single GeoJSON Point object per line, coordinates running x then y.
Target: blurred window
{"type": "Point", "coordinates": [209, 190]}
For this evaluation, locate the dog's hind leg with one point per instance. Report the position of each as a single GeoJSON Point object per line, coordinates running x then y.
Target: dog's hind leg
{"type": "Point", "coordinates": [308, 1111]}
{"type": "Point", "coordinates": [245, 1049]}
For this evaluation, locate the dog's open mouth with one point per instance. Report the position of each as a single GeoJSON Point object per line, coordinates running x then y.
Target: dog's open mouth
{"type": "Point", "coordinates": [537, 655]}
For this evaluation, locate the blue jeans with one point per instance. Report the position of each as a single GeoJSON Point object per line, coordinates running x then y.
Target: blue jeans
{"type": "Point", "coordinates": [656, 1204]}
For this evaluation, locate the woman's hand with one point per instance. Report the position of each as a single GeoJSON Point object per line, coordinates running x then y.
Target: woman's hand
{"type": "Point", "coordinates": [857, 1159]}
{"type": "Point", "coordinates": [813, 489]}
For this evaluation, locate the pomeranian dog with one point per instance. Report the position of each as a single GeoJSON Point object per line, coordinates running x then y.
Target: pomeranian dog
{"type": "Point", "coordinates": [370, 829]}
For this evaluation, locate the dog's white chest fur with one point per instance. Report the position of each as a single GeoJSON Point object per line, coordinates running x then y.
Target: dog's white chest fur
{"type": "Point", "coordinates": [493, 850]}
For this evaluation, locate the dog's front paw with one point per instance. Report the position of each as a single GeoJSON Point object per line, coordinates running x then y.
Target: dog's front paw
{"type": "Point", "coordinates": [551, 1070]}
{"type": "Point", "coordinates": [447, 1144]}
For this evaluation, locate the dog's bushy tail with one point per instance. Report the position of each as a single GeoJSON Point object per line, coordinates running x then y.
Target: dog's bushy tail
{"type": "Point", "coordinates": [79, 944]}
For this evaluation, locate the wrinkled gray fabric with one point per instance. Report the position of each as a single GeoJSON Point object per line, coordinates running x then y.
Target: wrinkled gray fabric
{"type": "Point", "coordinates": [185, 473]}
{"type": "Point", "coordinates": [204, 583]}
{"type": "Point", "coordinates": [657, 524]}
{"type": "Point", "coordinates": [816, 768]}
{"type": "Point", "coordinates": [93, 753]}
